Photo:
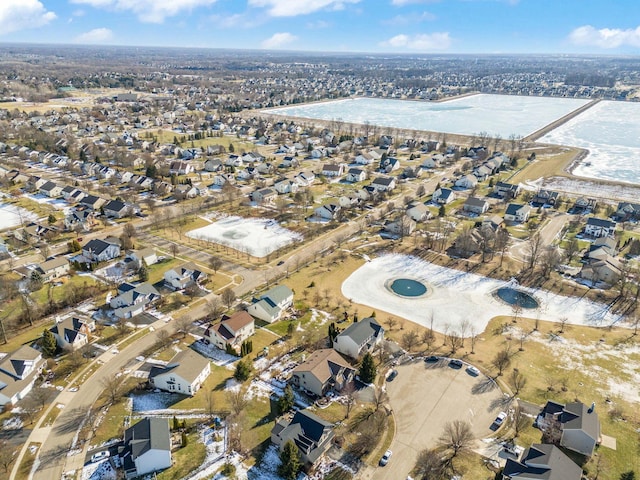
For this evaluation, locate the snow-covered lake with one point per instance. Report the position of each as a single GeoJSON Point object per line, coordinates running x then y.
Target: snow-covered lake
{"type": "Point", "coordinates": [495, 114]}
{"type": "Point", "coordinates": [454, 296]}
{"type": "Point", "coordinates": [11, 216]}
{"type": "Point", "coordinates": [257, 236]}
{"type": "Point", "coordinates": [611, 132]}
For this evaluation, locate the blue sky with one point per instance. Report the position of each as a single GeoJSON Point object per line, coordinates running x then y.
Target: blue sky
{"type": "Point", "coordinates": [395, 26]}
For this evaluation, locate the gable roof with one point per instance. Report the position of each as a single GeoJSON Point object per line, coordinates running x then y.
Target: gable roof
{"type": "Point", "coordinates": [147, 434]}
{"type": "Point", "coordinates": [323, 364]}
{"type": "Point", "coordinates": [97, 246]}
{"type": "Point", "coordinates": [600, 222]}
{"type": "Point", "coordinates": [14, 363]}
{"type": "Point", "coordinates": [544, 462]}
{"type": "Point", "coordinates": [187, 364]}
{"type": "Point", "coordinates": [53, 264]}
{"type": "Point", "coordinates": [360, 331]}
{"type": "Point", "coordinates": [577, 416]}
{"type": "Point", "coordinates": [305, 430]}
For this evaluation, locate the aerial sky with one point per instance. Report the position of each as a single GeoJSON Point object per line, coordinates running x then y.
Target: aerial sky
{"type": "Point", "coordinates": [376, 26]}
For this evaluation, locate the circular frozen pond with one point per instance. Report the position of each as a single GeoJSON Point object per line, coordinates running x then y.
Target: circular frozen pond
{"type": "Point", "coordinates": [406, 287]}
{"type": "Point", "coordinates": [513, 296]}
{"type": "Point", "coordinates": [235, 234]}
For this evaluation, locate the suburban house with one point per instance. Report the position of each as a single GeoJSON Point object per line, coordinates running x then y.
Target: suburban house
{"type": "Point", "coordinates": [419, 212]}
{"type": "Point", "coordinates": [598, 227]}
{"type": "Point", "coordinates": [323, 371]}
{"type": "Point", "coordinates": [80, 219]}
{"type": "Point", "coordinates": [584, 204]}
{"type": "Point", "coordinates": [601, 248]}
{"type": "Point", "coordinates": [116, 209]}
{"type": "Point", "coordinates": [384, 184]}
{"type": "Point", "coordinates": [308, 432]}
{"type": "Point", "coordinates": [54, 268]}
{"type": "Point", "coordinates": [627, 211]}
{"type": "Point", "coordinates": [147, 447]}
{"type": "Point", "coordinates": [442, 196]}
{"type": "Point", "coordinates": [231, 330]}
{"type": "Point", "coordinates": [330, 211]}
{"type": "Point", "coordinates": [92, 202]}
{"type": "Point", "coordinates": [72, 332]}
{"type": "Point", "coordinates": [403, 226]}
{"type": "Point", "coordinates": [18, 372]}
{"type": "Point", "coordinates": [365, 159]}
{"type": "Point", "coordinates": [185, 373]}
{"type": "Point", "coordinates": [181, 277]}
{"type": "Point", "coordinates": [517, 213]}
{"type": "Point", "coordinates": [271, 306]}
{"type": "Point", "coordinates": [573, 426]}
{"type": "Point", "coordinates": [213, 165]}
{"type": "Point", "coordinates": [475, 205]}
{"type": "Point", "coordinates": [304, 179]}
{"type": "Point", "coordinates": [51, 190]}
{"type": "Point", "coordinates": [264, 195]}
{"type": "Point", "coordinates": [133, 299]}
{"type": "Point", "coordinates": [98, 250]}
{"type": "Point", "coordinates": [186, 191]}
{"type": "Point", "coordinates": [466, 181]}
{"type": "Point", "coordinates": [389, 164]}
{"type": "Point", "coordinates": [148, 256]}
{"type": "Point", "coordinates": [359, 338]}
{"type": "Point", "coordinates": [606, 269]}
{"type": "Point", "coordinates": [506, 190]}
{"type": "Point", "coordinates": [180, 167]}
{"type": "Point", "coordinates": [544, 197]}
{"type": "Point", "coordinates": [355, 175]}
{"type": "Point", "coordinates": [223, 178]}
{"type": "Point", "coordinates": [285, 185]}
{"type": "Point", "coordinates": [333, 170]}
{"type": "Point", "coordinates": [542, 461]}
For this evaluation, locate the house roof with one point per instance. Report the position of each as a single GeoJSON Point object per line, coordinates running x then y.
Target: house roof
{"type": "Point", "coordinates": [361, 331]}
{"type": "Point", "coordinates": [514, 208]}
{"type": "Point", "coordinates": [238, 321]}
{"type": "Point", "coordinates": [278, 294]}
{"type": "Point", "coordinates": [14, 363]}
{"type": "Point", "coordinates": [114, 206]}
{"type": "Point", "coordinates": [305, 430]}
{"type": "Point", "coordinates": [129, 293]}
{"type": "Point", "coordinates": [323, 364]}
{"type": "Point", "coordinates": [386, 181]}
{"type": "Point", "coordinates": [96, 246]}
{"type": "Point", "coordinates": [544, 462]}
{"type": "Point", "coordinates": [147, 434]}
{"type": "Point", "coordinates": [577, 416]}
{"type": "Point", "coordinates": [600, 222]}
{"type": "Point", "coordinates": [187, 364]}
{"type": "Point", "coordinates": [475, 202]}
{"type": "Point", "coordinates": [53, 264]}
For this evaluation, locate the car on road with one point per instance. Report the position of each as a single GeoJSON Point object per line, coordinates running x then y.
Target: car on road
{"type": "Point", "coordinates": [385, 458]}
{"type": "Point", "coordinates": [392, 374]}
{"type": "Point", "coordinates": [455, 363]}
{"type": "Point", "coordinates": [432, 359]}
{"type": "Point", "coordinates": [500, 418]}
{"type": "Point", "coordinates": [281, 262]}
{"type": "Point", "coordinates": [96, 457]}
{"type": "Point", "coordinates": [471, 370]}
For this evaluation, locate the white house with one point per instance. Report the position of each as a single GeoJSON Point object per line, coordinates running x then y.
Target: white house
{"type": "Point", "coordinates": [384, 184]}
{"type": "Point", "coordinates": [359, 338]}
{"type": "Point", "coordinates": [185, 373]}
{"type": "Point", "coordinates": [419, 212]}
{"type": "Point", "coordinates": [476, 205]}
{"type": "Point", "coordinates": [18, 372]}
{"type": "Point", "coordinates": [333, 170]}
{"type": "Point", "coordinates": [181, 277]}
{"type": "Point", "coordinates": [98, 250]}
{"type": "Point", "coordinates": [180, 167]}
{"type": "Point", "coordinates": [364, 159]}
{"type": "Point", "coordinates": [231, 330]}
{"type": "Point", "coordinates": [598, 227]}
{"type": "Point", "coordinates": [517, 213]}
{"type": "Point", "coordinates": [264, 196]}
{"type": "Point", "coordinates": [330, 211]}
{"type": "Point", "coordinates": [133, 299]}
{"type": "Point", "coordinates": [72, 332]}
{"type": "Point", "coordinates": [284, 186]}
{"type": "Point", "coordinates": [147, 447]}
{"type": "Point", "coordinates": [355, 175]}
{"type": "Point", "coordinates": [54, 268]}
{"type": "Point", "coordinates": [147, 255]}
{"type": "Point", "coordinates": [304, 179]}
{"type": "Point", "coordinates": [443, 196]}
{"type": "Point", "coordinates": [466, 181]}
{"type": "Point", "coordinates": [271, 306]}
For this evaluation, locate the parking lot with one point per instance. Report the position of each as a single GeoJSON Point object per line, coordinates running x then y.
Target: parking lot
{"type": "Point", "coordinates": [424, 397]}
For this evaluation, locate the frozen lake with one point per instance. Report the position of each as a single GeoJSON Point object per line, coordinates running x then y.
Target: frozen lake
{"type": "Point", "coordinates": [256, 236]}
{"type": "Point", "coordinates": [611, 132]}
{"type": "Point", "coordinates": [502, 115]}
{"type": "Point", "coordinates": [454, 296]}
{"type": "Point", "coordinates": [11, 216]}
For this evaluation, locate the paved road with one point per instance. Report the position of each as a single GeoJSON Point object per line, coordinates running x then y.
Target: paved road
{"type": "Point", "coordinates": [549, 232]}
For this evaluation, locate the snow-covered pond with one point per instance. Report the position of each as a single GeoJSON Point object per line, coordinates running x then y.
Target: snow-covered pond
{"type": "Point", "coordinates": [495, 114]}
{"type": "Point", "coordinates": [611, 132]}
{"type": "Point", "coordinates": [256, 236]}
{"type": "Point", "coordinates": [454, 296]}
{"type": "Point", "coordinates": [11, 216]}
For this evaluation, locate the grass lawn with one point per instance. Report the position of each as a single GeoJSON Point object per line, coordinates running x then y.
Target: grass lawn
{"type": "Point", "coordinates": [185, 459]}
{"type": "Point", "coordinates": [167, 136]}
{"type": "Point", "coordinates": [27, 463]}
{"type": "Point", "coordinates": [112, 423]}
{"type": "Point", "coordinates": [547, 164]}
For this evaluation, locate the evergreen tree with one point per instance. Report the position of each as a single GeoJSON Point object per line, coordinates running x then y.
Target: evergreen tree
{"type": "Point", "coordinates": [176, 423]}
{"type": "Point", "coordinates": [290, 461]}
{"type": "Point", "coordinates": [49, 344]}
{"type": "Point", "coordinates": [286, 401]}
{"type": "Point", "coordinates": [368, 369]}
{"type": "Point", "coordinates": [143, 273]}
{"type": "Point", "coordinates": [185, 440]}
{"type": "Point", "coordinates": [51, 219]}
{"type": "Point", "coordinates": [441, 211]}
{"type": "Point", "coordinates": [243, 371]}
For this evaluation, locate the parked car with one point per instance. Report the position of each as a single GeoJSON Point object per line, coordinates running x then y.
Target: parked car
{"type": "Point", "coordinates": [392, 374]}
{"type": "Point", "coordinates": [385, 458]}
{"type": "Point", "coordinates": [471, 370]}
{"type": "Point", "coordinates": [96, 457]}
{"type": "Point", "coordinates": [500, 418]}
{"type": "Point", "coordinates": [454, 362]}
{"type": "Point", "coordinates": [432, 359]}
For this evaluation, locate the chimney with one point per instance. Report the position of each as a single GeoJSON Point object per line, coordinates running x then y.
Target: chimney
{"type": "Point", "coordinates": [592, 408]}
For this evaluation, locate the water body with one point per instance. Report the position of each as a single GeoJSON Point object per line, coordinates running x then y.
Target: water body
{"type": "Point", "coordinates": [405, 287]}
{"type": "Point", "coordinates": [517, 297]}
{"type": "Point", "coordinates": [611, 132]}
{"type": "Point", "coordinates": [502, 115]}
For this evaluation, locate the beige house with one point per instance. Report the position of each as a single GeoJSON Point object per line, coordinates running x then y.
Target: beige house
{"type": "Point", "coordinates": [18, 372]}
{"type": "Point", "coordinates": [231, 330]}
{"type": "Point", "coordinates": [55, 268]}
{"type": "Point", "coordinates": [324, 370]}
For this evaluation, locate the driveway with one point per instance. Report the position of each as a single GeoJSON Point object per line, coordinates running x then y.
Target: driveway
{"type": "Point", "coordinates": [424, 397]}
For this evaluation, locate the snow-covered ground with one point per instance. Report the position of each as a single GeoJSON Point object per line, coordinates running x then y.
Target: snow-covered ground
{"type": "Point", "coordinates": [57, 203]}
{"type": "Point", "coordinates": [586, 188]}
{"type": "Point", "coordinates": [217, 356]}
{"type": "Point", "coordinates": [454, 296]}
{"type": "Point", "coordinates": [11, 216]}
{"type": "Point", "coordinates": [99, 471]}
{"type": "Point", "coordinates": [257, 236]}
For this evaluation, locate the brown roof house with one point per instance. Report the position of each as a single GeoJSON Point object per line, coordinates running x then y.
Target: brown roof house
{"type": "Point", "coordinates": [323, 371]}
{"type": "Point", "coordinates": [573, 426]}
{"type": "Point", "coordinates": [18, 372]}
{"type": "Point", "coordinates": [308, 432]}
{"type": "Point", "coordinates": [185, 373]}
{"type": "Point", "coordinates": [231, 330]}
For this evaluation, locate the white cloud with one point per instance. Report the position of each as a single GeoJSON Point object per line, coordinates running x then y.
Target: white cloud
{"type": "Point", "coordinates": [97, 35]}
{"type": "Point", "coordinates": [402, 3]}
{"type": "Point", "coordinates": [236, 20]}
{"type": "Point", "coordinates": [422, 41]}
{"type": "Point", "coordinates": [150, 11]}
{"type": "Point", "coordinates": [278, 40]}
{"type": "Point", "coordinates": [400, 20]}
{"type": "Point", "coordinates": [605, 37]}
{"type": "Point", "coordinates": [18, 15]}
{"type": "Point", "coordinates": [291, 8]}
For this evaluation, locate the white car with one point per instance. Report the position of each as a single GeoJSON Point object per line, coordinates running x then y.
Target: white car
{"type": "Point", "coordinates": [385, 458]}
{"type": "Point", "coordinates": [96, 457]}
{"type": "Point", "coordinates": [473, 371]}
{"type": "Point", "coordinates": [500, 418]}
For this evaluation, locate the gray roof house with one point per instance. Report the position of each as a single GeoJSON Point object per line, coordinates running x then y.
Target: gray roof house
{"type": "Point", "coordinates": [542, 462]}
{"type": "Point", "coordinates": [359, 338]}
{"type": "Point", "coordinates": [133, 299]}
{"type": "Point", "coordinates": [18, 372]}
{"type": "Point", "coordinates": [147, 447]}
{"type": "Point", "coordinates": [308, 432]}
{"type": "Point", "coordinates": [98, 250]}
{"type": "Point", "coordinates": [573, 426]}
{"type": "Point", "coordinates": [270, 306]}
{"type": "Point", "coordinates": [185, 373]}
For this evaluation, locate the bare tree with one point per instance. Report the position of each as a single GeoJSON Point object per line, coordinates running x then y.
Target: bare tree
{"type": "Point", "coordinates": [215, 308]}
{"type": "Point", "coordinates": [215, 263]}
{"type": "Point", "coordinates": [516, 310]}
{"type": "Point", "coordinates": [349, 392]}
{"type": "Point", "coordinates": [238, 400]}
{"type": "Point", "coordinates": [457, 437]}
{"type": "Point", "coordinates": [182, 324]}
{"type": "Point", "coordinates": [391, 322]}
{"type": "Point", "coordinates": [549, 260]}
{"type": "Point", "coordinates": [501, 360]}
{"type": "Point", "coordinates": [163, 339]}
{"type": "Point", "coordinates": [174, 249]}
{"type": "Point", "coordinates": [113, 387]}
{"type": "Point", "coordinates": [228, 297]}
{"type": "Point", "coordinates": [517, 381]}
{"type": "Point", "coordinates": [571, 249]}
{"type": "Point", "coordinates": [520, 422]}
{"type": "Point", "coordinates": [502, 242]}
{"type": "Point", "coordinates": [534, 247]}
{"type": "Point", "coordinates": [563, 321]}
{"type": "Point", "coordinates": [40, 396]}
{"type": "Point", "coordinates": [409, 340]}
{"type": "Point", "coordinates": [7, 454]}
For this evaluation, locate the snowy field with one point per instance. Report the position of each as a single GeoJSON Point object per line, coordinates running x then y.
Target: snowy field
{"type": "Point", "coordinates": [257, 236]}
{"type": "Point", "coordinates": [495, 114]}
{"type": "Point", "coordinates": [611, 132]}
{"type": "Point", "coordinates": [11, 216]}
{"type": "Point", "coordinates": [455, 296]}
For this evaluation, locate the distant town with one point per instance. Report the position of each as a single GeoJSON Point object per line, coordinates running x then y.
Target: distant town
{"type": "Point", "coordinates": [197, 285]}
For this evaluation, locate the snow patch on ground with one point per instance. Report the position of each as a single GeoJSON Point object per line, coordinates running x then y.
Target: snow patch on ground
{"type": "Point", "coordinates": [154, 401]}
{"type": "Point", "coordinates": [217, 356]}
{"type": "Point", "coordinates": [12, 216]}
{"type": "Point", "coordinates": [458, 293]}
{"type": "Point", "coordinates": [257, 236]}
{"type": "Point", "coordinates": [587, 188]}
{"type": "Point", "coordinates": [99, 471]}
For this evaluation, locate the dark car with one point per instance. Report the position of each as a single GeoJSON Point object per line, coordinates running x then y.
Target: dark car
{"type": "Point", "coordinates": [281, 262]}
{"type": "Point", "coordinates": [455, 363]}
{"type": "Point", "coordinates": [393, 374]}
{"type": "Point", "coordinates": [432, 359]}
